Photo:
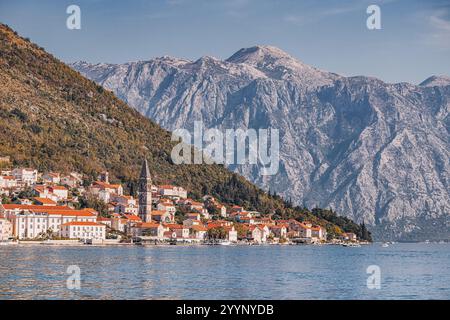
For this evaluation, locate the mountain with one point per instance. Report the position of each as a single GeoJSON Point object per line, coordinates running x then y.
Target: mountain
{"type": "Point", "coordinates": [373, 151]}
{"type": "Point", "coordinates": [52, 118]}
{"type": "Point", "coordinates": [436, 81]}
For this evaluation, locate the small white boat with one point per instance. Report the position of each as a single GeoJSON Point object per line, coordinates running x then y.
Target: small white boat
{"type": "Point", "coordinates": [385, 245]}
{"type": "Point", "coordinates": [8, 243]}
{"type": "Point", "coordinates": [352, 245]}
{"type": "Point", "coordinates": [225, 243]}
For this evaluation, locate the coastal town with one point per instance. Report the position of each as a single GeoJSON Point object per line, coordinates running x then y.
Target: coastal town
{"type": "Point", "coordinates": [51, 207]}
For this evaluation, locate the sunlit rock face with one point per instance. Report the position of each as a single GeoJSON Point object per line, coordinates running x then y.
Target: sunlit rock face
{"type": "Point", "coordinates": [373, 151]}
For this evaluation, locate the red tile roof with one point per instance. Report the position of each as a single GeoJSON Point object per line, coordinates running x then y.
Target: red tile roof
{"type": "Point", "coordinates": [70, 213]}
{"type": "Point", "coordinates": [13, 206]}
{"type": "Point", "coordinates": [44, 200]}
{"type": "Point", "coordinates": [147, 225]}
{"type": "Point", "coordinates": [39, 188]}
{"type": "Point", "coordinates": [132, 217]}
{"type": "Point", "coordinates": [166, 186]}
{"type": "Point", "coordinates": [174, 226]}
{"type": "Point", "coordinates": [58, 188]}
{"type": "Point", "coordinates": [199, 228]}
{"type": "Point", "coordinates": [82, 223]}
{"type": "Point", "coordinates": [103, 219]}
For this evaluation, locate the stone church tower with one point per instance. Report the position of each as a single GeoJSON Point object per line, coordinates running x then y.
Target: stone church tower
{"type": "Point", "coordinates": [145, 194]}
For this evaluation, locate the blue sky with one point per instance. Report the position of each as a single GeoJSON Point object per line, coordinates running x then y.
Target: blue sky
{"type": "Point", "coordinates": [414, 41]}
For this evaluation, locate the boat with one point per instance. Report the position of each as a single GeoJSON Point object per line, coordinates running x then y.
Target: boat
{"type": "Point", "coordinates": [225, 243]}
{"type": "Point", "coordinates": [8, 243]}
{"type": "Point", "coordinates": [385, 245]}
{"type": "Point", "coordinates": [353, 245]}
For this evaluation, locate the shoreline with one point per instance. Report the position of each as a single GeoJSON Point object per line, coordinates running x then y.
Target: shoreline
{"type": "Point", "coordinates": [71, 243]}
{"type": "Point", "coordinates": [185, 245]}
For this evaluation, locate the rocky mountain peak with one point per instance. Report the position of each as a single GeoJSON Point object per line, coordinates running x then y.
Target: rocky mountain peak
{"type": "Point", "coordinates": [279, 65]}
{"type": "Point", "coordinates": [436, 81]}
{"type": "Point", "coordinates": [259, 54]}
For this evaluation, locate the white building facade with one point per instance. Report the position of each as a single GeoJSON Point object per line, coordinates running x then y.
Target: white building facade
{"type": "Point", "coordinates": [5, 229]}
{"type": "Point", "coordinates": [83, 230]}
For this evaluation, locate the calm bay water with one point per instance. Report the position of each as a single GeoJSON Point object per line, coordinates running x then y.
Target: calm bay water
{"type": "Point", "coordinates": [408, 271]}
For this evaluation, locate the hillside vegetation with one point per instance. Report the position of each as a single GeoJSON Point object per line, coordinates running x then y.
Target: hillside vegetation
{"type": "Point", "coordinates": [52, 118]}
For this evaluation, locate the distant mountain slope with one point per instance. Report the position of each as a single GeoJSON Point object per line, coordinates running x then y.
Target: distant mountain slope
{"type": "Point", "coordinates": [436, 81]}
{"type": "Point", "coordinates": [374, 151]}
{"type": "Point", "coordinates": [52, 118]}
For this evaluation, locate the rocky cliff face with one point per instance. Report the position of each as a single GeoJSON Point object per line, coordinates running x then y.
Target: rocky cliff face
{"type": "Point", "coordinates": [373, 151]}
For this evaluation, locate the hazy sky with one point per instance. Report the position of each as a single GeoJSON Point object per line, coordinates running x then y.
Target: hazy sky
{"type": "Point", "coordinates": [414, 41]}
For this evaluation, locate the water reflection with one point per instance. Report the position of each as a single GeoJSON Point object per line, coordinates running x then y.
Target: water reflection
{"type": "Point", "coordinates": [265, 272]}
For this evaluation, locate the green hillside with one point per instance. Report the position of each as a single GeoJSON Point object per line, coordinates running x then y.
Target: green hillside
{"type": "Point", "coordinates": [52, 118]}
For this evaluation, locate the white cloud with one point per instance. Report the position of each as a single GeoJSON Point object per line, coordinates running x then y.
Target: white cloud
{"type": "Point", "coordinates": [314, 13]}
{"type": "Point", "coordinates": [439, 22]}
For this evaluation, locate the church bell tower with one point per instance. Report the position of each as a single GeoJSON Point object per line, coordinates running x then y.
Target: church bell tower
{"type": "Point", "coordinates": [145, 194]}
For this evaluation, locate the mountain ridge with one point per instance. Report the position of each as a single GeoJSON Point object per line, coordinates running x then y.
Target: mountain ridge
{"type": "Point", "coordinates": [239, 58]}
{"type": "Point", "coordinates": [375, 151]}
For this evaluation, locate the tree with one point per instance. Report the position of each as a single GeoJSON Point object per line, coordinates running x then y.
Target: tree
{"type": "Point", "coordinates": [45, 235]}
{"type": "Point", "coordinates": [241, 230]}
{"type": "Point", "coordinates": [96, 204]}
{"type": "Point", "coordinates": [179, 217]}
{"type": "Point", "coordinates": [5, 199]}
{"type": "Point", "coordinates": [216, 233]}
{"type": "Point", "coordinates": [212, 209]}
{"type": "Point", "coordinates": [364, 233]}
{"type": "Point", "coordinates": [27, 193]}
